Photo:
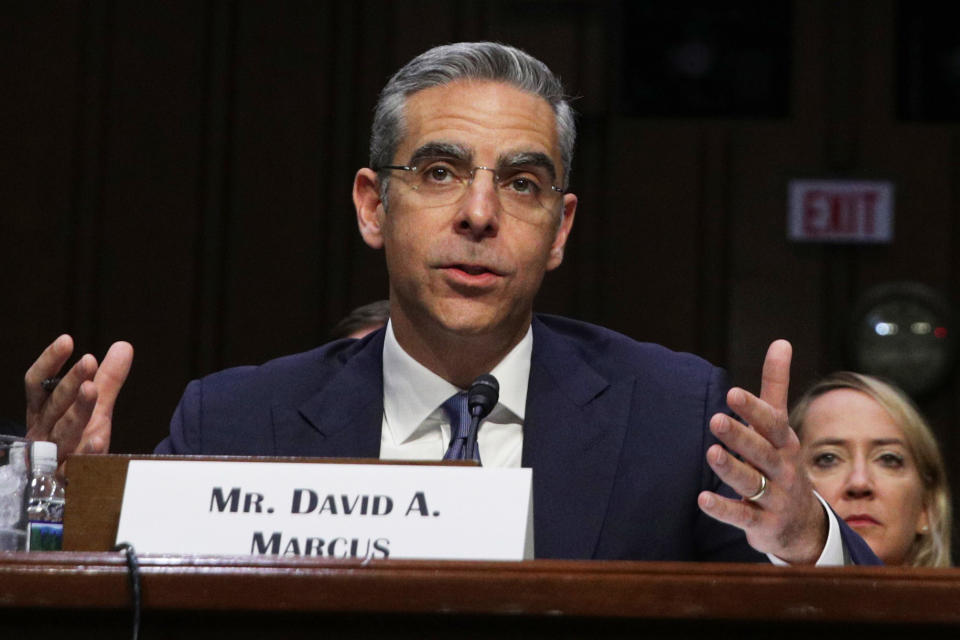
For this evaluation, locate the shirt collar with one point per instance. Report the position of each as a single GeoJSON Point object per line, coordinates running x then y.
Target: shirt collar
{"type": "Point", "coordinates": [411, 392]}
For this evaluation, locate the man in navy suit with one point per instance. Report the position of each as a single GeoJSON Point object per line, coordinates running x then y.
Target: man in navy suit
{"type": "Point", "coordinates": [467, 195]}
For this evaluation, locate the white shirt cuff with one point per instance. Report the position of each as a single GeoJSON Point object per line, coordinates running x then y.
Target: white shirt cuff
{"type": "Point", "coordinates": [832, 554]}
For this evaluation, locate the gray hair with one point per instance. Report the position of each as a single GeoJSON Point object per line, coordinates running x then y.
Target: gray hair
{"type": "Point", "coordinates": [468, 61]}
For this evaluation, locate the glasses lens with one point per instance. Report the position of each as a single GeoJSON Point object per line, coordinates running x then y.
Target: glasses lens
{"type": "Point", "coordinates": [524, 192]}
{"type": "Point", "coordinates": [439, 181]}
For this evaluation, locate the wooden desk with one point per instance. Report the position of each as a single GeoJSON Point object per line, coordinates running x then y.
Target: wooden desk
{"type": "Point", "coordinates": [84, 592]}
{"type": "Point", "coordinates": [85, 595]}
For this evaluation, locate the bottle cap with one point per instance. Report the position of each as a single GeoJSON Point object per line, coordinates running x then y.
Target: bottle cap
{"type": "Point", "coordinates": [44, 455]}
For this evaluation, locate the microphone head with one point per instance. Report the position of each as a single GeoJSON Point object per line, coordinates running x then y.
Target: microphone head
{"type": "Point", "coordinates": [483, 395]}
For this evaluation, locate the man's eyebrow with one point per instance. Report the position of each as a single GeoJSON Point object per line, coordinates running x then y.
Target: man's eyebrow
{"type": "Point", "coordinates": [441, 149]}
{"type": "Point", "coordinates": [528, 159]}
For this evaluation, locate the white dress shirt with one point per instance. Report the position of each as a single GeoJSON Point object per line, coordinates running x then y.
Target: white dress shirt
{"type": "Point", "coordinates": [415, 426]}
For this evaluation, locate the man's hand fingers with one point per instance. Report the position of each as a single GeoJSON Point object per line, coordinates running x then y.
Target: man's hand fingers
{"type": "Point", "coordinates": [753, 447]}
{"type": "Point", "coordinates": [110, 377]}
{"type": "Point", "coordinates": [60, 400]}
{"type": "Point", "coordinates": [786, 520]}
{"type": "Point", "coordinates": [96, 437]}
{"type": "Point", "coordinates": [78, 413]}
{"type": "Point", "coordinates": [69, 429]}
{"type": "Point", "coordinates": [763, 418]}
{"type": "Point", "coordinates": [93, 444]}
{"type": "Point", "coordinates": [738, 475]}
{"type": "Point", "coordinates": [113, 373]}
{"type": "Point", "coordinates": [775, 381]}
{"type": "Point", "coordinates": [46, 366]}
{"type": "Point", "coordinates": [734, 512]}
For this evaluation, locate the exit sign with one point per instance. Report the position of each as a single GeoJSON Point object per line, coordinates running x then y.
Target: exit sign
{"type": "Point", "coordinates": [858, 211]}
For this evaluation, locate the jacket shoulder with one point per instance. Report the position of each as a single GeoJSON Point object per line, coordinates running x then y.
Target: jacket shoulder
{"type": "Point", "coordinates": [291, 371]}
{"type": "Point", "coordinates": [614, 354]}
{"type": "Point", "coordinates": [225, 412]}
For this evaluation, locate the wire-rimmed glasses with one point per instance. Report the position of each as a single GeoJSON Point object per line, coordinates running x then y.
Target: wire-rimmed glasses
{"type": "Point", "coordinates": [525, 191]}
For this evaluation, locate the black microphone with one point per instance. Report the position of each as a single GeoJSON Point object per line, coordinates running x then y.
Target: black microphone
{"type": "Point", "coordinates": [481, 399]}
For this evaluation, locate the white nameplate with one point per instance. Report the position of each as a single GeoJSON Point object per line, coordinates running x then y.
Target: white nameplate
{"type": "Point", "coordinates": [330, 510]}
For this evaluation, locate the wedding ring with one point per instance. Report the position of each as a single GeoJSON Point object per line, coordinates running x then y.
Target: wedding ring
{"type": "Point", "coordinates": [762, 490]}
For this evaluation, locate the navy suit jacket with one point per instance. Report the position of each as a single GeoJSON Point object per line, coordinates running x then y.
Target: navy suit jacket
{"type": "Point", "coordinates": [615, 432]}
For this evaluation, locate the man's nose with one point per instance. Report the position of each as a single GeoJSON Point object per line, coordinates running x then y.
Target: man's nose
{"type": "Point", "coordinates": [480, 209]}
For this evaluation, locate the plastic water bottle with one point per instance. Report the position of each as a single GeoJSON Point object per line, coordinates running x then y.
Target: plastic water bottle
{"type": "Point", "coordinates": [45, 495]}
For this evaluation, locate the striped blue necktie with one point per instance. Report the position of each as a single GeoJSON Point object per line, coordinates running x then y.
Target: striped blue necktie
{"type": "Point", "coordinates": [459, 413]}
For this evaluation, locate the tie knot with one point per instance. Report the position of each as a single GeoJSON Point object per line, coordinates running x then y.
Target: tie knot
{"type": "Point", "coordinates": [459, 414]}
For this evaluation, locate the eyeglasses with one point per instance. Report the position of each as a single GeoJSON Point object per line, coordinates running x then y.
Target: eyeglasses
{"type": "Point", "coordinates": [525, 191]}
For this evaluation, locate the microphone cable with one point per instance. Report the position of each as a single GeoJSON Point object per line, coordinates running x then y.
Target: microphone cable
{"type": "Point", "coordinates": [133, 569]}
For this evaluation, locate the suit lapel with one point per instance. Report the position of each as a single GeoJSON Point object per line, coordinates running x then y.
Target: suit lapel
{"type": "Point", "coordinates": [347, 412]}
{"type": "Point", "coordinates": [574, 426]}
{"type": "Point", "coordinates": [573, 431]}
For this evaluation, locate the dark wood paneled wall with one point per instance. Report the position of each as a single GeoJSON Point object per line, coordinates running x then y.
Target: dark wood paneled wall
{"type": "Point", "coordinates": [178, 174]}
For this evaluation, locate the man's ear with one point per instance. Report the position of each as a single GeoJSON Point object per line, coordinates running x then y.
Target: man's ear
{"type": "Point", "coordinates": [366, 200]}
{"type": "Point", "coordinates": [563, 231]}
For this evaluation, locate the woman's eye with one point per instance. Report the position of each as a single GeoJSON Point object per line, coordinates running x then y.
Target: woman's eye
{"type": "Point", "coordinates": [825, 460]}
{"type": "Point", "coordinates": [891, 460]}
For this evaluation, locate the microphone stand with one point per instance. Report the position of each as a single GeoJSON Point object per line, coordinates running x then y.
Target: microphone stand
{"type": "Point", "coordinates": [471, 444]}
{"type": "Point", "coordinates": [482, 398]}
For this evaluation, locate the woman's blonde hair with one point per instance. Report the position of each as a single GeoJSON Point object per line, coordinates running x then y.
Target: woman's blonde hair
{"type": "Point", "coordinates": [932, 548]}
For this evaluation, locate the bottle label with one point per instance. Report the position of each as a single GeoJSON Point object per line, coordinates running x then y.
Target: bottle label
{"type": "Point", "coordinates": [54, 511]}
{"type": "Point", "coordinates": [45, 536]}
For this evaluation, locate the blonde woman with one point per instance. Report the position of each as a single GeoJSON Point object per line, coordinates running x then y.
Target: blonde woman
{"type": "Point", "coordinates": [873, 457]}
